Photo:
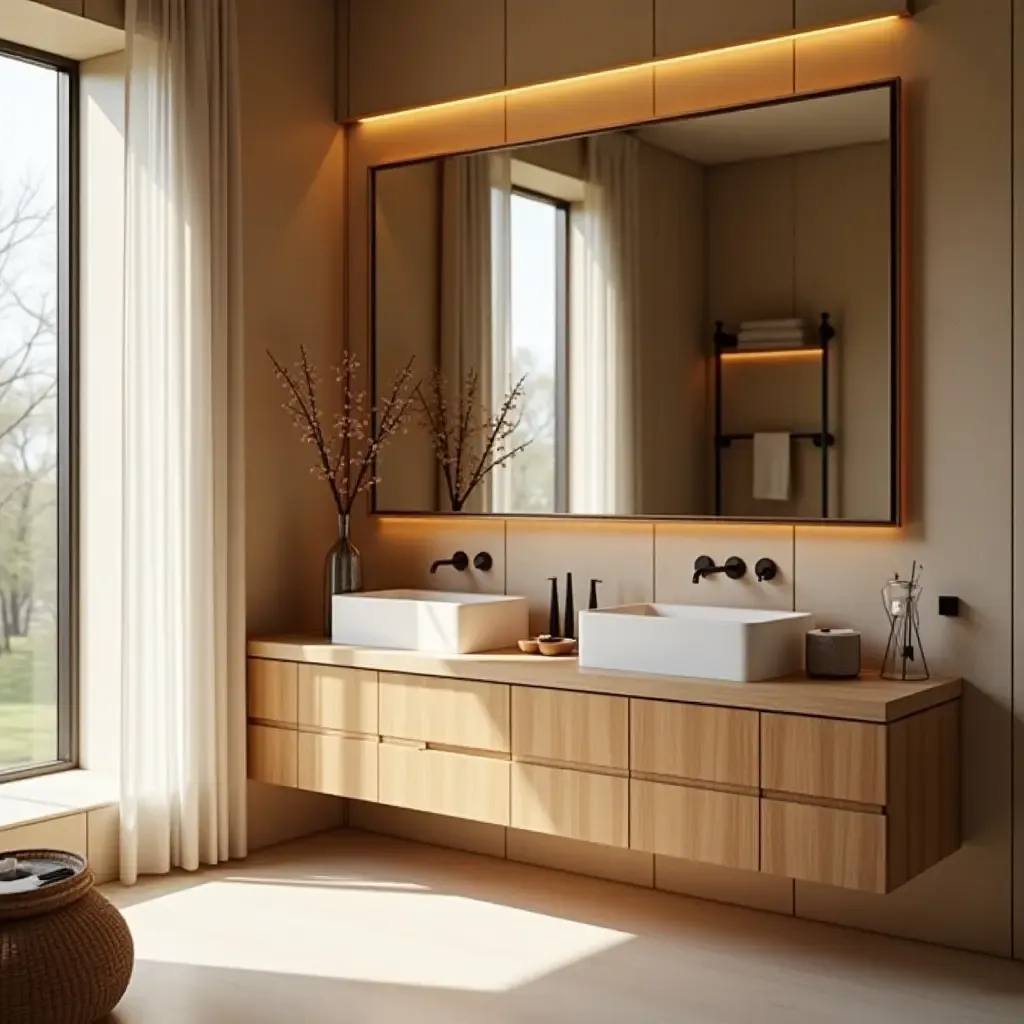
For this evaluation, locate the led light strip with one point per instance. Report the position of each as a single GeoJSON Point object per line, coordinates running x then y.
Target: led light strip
{"type": "Point", "coordinates": [813, 33]}
{"type": "Point", "coordinates": [783, 354]}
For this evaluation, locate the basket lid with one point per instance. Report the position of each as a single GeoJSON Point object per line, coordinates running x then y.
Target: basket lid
{"type": "Point", "coordinates": [29, 893]}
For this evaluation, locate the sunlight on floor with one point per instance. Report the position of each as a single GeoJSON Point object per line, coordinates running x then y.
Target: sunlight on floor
{"type": "Point", "coordinates": [360, 931]}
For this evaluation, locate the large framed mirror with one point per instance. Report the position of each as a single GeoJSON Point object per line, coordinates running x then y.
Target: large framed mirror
{"type": "Point", "coordinates": [704, 314]}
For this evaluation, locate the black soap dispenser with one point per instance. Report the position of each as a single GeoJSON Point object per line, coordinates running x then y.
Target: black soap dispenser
{"type": "Point", "coordinates": [554, 623]}
{"type": "Point", "coordinates": [570, 609]}
{"type": "Point", "coordinates": [592, 603]}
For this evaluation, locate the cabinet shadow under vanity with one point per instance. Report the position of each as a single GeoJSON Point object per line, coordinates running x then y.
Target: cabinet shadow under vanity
{"type": "Point", "coordinates": [704, 314]}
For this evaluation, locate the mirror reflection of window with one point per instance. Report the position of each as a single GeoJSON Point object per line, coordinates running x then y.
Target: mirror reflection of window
{"type": "Point", "coordinates": [538, 317]}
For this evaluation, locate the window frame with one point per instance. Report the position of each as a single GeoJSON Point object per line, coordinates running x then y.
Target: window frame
{"type": "Point", "coordinates": [563, 213]}
{"type": "Point", "coordinates": [68, 250]}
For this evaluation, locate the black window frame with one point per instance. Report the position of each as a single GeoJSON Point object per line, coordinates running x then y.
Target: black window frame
{"type": "Point", "coordinates": [563, 213]}
{"type": "Point", "coordinates": [68, 219]}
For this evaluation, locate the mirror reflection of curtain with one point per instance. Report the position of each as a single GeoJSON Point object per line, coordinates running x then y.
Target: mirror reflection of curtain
{"type": "Point", "coordinates": [475, 276]}
{"type": "Point", "coordinates": [605, 461]}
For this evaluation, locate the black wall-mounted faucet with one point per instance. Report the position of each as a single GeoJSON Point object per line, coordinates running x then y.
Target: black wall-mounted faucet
{"type": "Point", "coordinates": [459, 561]}
{"type": "Point", "coordinates": [735, 568]}
{"type": "Point", "coordinates": [765, 570]}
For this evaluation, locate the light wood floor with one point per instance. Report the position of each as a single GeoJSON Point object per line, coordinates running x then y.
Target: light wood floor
{"type": "Point", "coordinates": [351, 927]}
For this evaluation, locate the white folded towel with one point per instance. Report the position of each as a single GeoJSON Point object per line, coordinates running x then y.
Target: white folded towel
{"type": "Point", "coordinates": [772, 325]}
{"type": "Point", "coordinates": [771, 466]}
{"type": "Point", "coordinates": [769, 344]}
{"type": "Point", "coordinates": [775, 334]}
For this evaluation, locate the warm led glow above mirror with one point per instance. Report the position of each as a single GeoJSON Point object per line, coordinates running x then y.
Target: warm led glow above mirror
{"type": "Point", "coordinates": [703, 310]}
{"type": "Point", "coordinates": [756, 44]}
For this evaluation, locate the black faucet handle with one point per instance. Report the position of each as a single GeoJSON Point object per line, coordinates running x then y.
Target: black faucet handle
{"type": "Point", "coordinates": [766, 570]}
{"type": "Point", "coordinates": [735, 568]}
{"type": "Point", "coordinates": [483, 561]}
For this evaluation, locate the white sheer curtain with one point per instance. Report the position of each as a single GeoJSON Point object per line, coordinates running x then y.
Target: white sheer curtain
{"type": "Point", "coordinates": [183, 659]}
{"type": "Point", "coordinates": [605, 471]}
{"type": "Point", "coordinates": [475, 294]}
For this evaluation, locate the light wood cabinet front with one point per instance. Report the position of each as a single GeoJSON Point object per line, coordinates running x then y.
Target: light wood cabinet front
{"type": "Point", "coordinates": [343, 699]}
{"type": "Point", "coordinates": [695, 824]}
{"type": "Point", "coordinates": [445, 712]}
{"type": "Point", "coordinates": [272, 690]}
{"type": "Point", "coordinates": [694, 742]}
{"type": "Point", "coordinates": [339, 765]}
{"type": "Point", "coordinates": [824, 844]}
{"type": "Point", "coordinates": [575, 728]}
{"type": "Point", "coordinates": [571, 804]}
{"type": "Point", "coordinates": [440, 782]}
{"type": "Point", "coordinates": [273, 755]}
{"type": "Point", "coordinates": [825, 758]}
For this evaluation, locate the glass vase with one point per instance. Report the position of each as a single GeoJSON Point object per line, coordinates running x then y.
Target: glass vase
{"type": "Point", "coordinates": [343, 570]}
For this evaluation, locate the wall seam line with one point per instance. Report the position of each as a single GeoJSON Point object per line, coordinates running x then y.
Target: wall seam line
{"type": "Point", "coordinates": [1014, 842]}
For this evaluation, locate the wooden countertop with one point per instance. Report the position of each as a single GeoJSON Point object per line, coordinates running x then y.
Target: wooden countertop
{"type": "Point", "coordinates": [868, 699]}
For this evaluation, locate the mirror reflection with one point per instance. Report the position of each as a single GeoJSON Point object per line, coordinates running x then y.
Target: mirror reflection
{"type": "Point", "coordinates": [701, 310]}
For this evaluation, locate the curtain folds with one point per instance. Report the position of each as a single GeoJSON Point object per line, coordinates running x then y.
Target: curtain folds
{"type": "Point", "coordinates": [605, 460]}
{"type": "Point", "coordinates": [475, 291]}
{"type": "Point", "coordinates": [183, 658]}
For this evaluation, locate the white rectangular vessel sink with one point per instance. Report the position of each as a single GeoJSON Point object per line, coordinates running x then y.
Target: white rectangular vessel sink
{"type": "Point", "coordinates": [733, 644]}
{"type": "Point", "coordinates": [428, 620]}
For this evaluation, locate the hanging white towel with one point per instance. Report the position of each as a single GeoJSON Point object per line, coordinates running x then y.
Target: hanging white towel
{"type": "Point", "coordinates": [771, 466]}
{"type": "Point", "coordinates": [793, 323]}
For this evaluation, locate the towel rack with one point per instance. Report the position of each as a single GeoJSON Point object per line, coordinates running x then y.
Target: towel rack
{"type": "Point", "coordinates": [823, 439]}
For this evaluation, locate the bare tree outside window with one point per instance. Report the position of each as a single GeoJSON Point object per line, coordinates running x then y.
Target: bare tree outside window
{"type": "Point", "coordinates": [30, 238]}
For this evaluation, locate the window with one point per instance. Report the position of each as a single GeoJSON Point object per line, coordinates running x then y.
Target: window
{"type": "Point", "coordinates": [539, 321]}
{"type": "Point", "coordinates": [37, 103]}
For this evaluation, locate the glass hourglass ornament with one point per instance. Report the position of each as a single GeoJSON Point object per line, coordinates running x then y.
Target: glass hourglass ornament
{"type": "Point", "coordinates": [904, 656]}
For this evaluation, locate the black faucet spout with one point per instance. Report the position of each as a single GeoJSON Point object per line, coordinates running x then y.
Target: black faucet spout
{"type": "Point", "coordinates": [458, 561]}
{"type": "Point", "coordinates": [735, 568]}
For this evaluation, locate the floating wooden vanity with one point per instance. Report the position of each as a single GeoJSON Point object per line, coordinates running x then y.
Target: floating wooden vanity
{"type": "Point", "coordinates": [853, 784]}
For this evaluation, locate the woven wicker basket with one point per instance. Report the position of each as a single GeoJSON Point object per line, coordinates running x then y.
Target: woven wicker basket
{"type": "Point", "coordinates": [66, 953]}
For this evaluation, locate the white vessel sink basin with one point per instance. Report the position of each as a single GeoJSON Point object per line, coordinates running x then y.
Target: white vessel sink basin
{"type": "Point", "coordinates": [428, 620]}
{"type": "Point", "coordinates": [696, 641]}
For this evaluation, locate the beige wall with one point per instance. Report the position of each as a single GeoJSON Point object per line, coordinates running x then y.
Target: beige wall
{"type": "Point", "coordinates": [673, 334]}
{"type": "Point", "coordinates": [293, 171]}
{"type": "Point", "coordinates": [796, 236]}
{"type": "Point", "coordinates": [955, 58]}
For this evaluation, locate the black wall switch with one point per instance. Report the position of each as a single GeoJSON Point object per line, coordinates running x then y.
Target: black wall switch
{"type": "Point", "coordinates": [949, 606]}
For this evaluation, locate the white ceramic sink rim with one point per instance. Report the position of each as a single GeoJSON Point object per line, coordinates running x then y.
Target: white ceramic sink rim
{"type": "Point", "coordinates": [694, 641]}
{"type": "Point", "coordinates": [704, 612]}
{"type": "Point", "coordinates": [431, 621]}
{"type": "Point", "coordinates": [432, 596]}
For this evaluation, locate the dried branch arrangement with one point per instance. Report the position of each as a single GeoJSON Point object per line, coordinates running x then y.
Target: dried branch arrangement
{"type": "Point", "coordinates": [347, 449]}
{"type": "Point", "coordinates": [469, 443]}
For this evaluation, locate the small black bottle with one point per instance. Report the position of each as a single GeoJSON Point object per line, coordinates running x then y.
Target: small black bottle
{"type": "Point", "coordinates": [570, 609]}
{"type": "Point", "coordinates": [554, 618]}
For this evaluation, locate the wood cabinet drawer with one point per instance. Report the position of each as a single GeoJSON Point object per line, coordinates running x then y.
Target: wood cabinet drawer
{"type": "Point", "coordinates": [447, 712]}
{"type": "Point", "coordinates": [338, 698]}
{"type": "Point", "coordinates": [339, 765]}
{"type": "Point", "coordinates": [694, 824]}
{"type": "Point", "coordinates": [689, 741]}
{"type": "Point", "coordinates": [822, 757]}
{"type": "Point", "coordinates": [272, 689]}
{"type": "Point", "coordinates": [459, 785]}
{"type": "Point", "coordinates": [824, 844]}
{"type": "Point", "coordinates": [273, 755]}
{"type": "Point", "coordinates": [577, 728]}
{"type": "Point", "coordinates": [571, 804]}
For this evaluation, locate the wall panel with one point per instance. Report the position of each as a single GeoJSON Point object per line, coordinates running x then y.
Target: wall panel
{"type": "Point", "coordinates": [689, 26]}
{"type": "Point", "coordinates": [548, 39]}
{"type": "Point", "coordinates": [812, 14]}
{"type": "Point", "coordinates": [405, 53]}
